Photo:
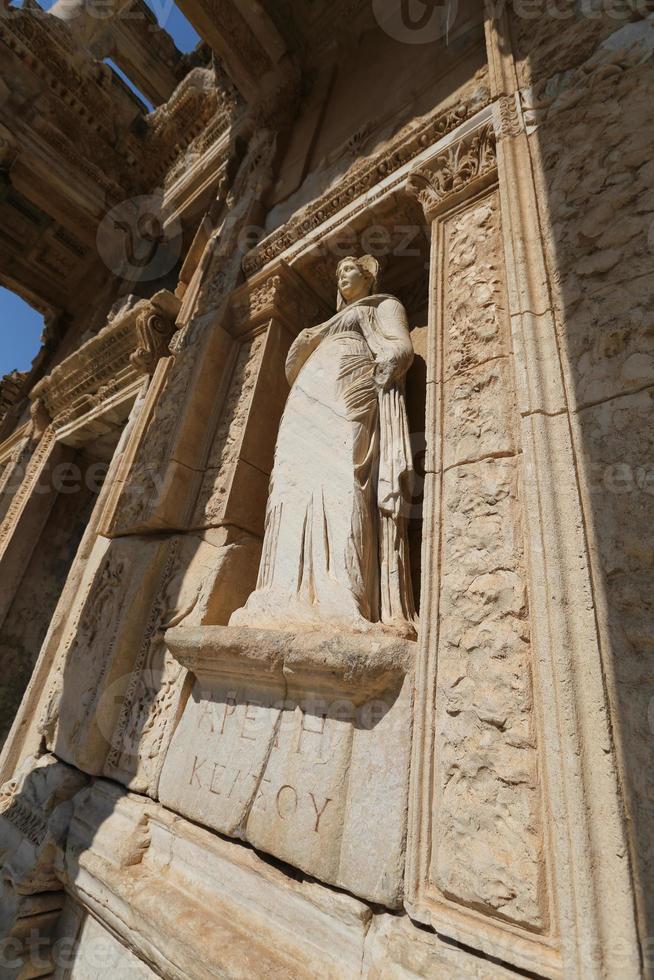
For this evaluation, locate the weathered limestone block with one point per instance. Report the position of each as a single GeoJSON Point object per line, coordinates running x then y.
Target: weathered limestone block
{"type": "Point", "coordinates": [85, 950]}
{"type": "Point", "coordinates": [203, 579]}
{"type": "Point", "coordinates": [479, 414]}
{"type": "Point", "coordinates": [116, 693]}
{"type": "Point", "coordinates": [35, 813]}
{"type": "Point", "coordinates": [617, 450]}
{"type": "Point", "coordinates": [596, 214]}
{"type": "Point", "coordinates": [474, 328]}
{"type": "Point", "coordinates": [28, 943]}
{"type": "Point", "coordinates": [488, 841]}
{"type": "Point", "coordinates": [298, 742]}
{"type": "Point", "coordinates": [555, 39]}
{"type": "Point", "coordinates": [395, 948]}
{"type": "Point", "coordinates": [599, 208]}
{"type": "Point", "coordinates": [193, 904]}
{"type": "Point", "coordinates": [98, 647]}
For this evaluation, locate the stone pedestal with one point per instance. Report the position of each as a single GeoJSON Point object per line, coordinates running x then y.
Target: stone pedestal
{"type": "Point", "coordinates": [298, 743]}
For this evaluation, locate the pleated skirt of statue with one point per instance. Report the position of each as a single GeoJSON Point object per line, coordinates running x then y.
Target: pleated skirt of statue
{"type": "Point", "coordinates": [320, 552]}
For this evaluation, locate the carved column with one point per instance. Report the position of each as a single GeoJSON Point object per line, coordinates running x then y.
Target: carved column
{"type": "Point", "coordinates": [477, 860]}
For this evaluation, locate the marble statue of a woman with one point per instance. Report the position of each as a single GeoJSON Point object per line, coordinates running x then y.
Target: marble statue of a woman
{"type": "Point", "coordinates": [335, 550]}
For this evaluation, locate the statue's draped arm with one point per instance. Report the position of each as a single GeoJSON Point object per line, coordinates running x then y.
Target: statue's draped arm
{"type": "Point", "coordinates": [390, 342]}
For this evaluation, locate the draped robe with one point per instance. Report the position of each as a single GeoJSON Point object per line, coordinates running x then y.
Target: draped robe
{"type": "Point", "coordinates": [335, 546]}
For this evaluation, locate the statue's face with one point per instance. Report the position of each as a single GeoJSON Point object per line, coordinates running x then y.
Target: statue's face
{"type": "Point", "coordinates": [352, 283]}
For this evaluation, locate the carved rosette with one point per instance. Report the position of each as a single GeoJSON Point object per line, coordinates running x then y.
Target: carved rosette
{"type": "Point", "coordinates": [457, 173]}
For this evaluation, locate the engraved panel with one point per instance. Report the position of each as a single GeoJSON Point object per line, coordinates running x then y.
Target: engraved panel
{"type": "Point", "coordinates": [485, 848]}
{"type": "Point", "coordinates": [295, 742]}
{"type": "Point", "coordinates": [229, 435]}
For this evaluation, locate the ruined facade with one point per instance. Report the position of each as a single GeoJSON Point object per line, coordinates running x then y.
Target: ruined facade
{"type": "Point", "coordinates": [182, 796]}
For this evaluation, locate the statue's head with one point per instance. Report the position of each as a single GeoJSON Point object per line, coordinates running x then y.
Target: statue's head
{"type": "Point", "coordinates": [356, 278]}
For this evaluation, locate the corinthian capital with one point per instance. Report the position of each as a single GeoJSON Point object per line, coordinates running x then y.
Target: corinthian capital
{"type": "Point", "coordinates": [458, 172]}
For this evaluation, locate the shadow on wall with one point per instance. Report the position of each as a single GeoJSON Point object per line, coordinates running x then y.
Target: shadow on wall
{"type": "Point", "coordinates": [590, 83]}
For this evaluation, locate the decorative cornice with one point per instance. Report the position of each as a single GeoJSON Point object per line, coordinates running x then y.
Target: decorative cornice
{"type": "Point", "coordinates": [103, 366]}
{"type": "Point", "coordinates": [11, 390]}
{"type": "Point", "coordinates": [80, 121]}
{"type": "Point", "coordinates": [459, 172]}
{"type": "Point", "coordinates": [361, 178]}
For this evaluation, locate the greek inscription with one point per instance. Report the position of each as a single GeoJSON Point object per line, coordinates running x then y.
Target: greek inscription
{"type": "Point", "coordinates": [318, 729]}
{"type": "Point", "coordinates": [230, 708]}
{"type": "Point", "coordinates": [286, 800]}
{"type": "Point", "coordinates": [212, 787]}
{"type": "Point", "coordinates": [250, 721]}
{"type": "Point", "coordinates": [195, 772]}
{"type": "Point", "coordinates": [319, 812]}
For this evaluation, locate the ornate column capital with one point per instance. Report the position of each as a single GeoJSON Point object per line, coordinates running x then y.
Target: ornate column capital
{"type": "Point", "coordinates": [277, 293]}
{"type": "Point", "coordinates": [456, 173]}
{"type": "Point", "coordinates": [155, 326]}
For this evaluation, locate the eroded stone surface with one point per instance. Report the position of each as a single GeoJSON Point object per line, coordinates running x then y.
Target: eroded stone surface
{"type": "Point", "coordinates": [530, 821]}
{"type": "Point", "coordinates": [202, 906]}
{"type": "Point", "coordinates": [299, 744]}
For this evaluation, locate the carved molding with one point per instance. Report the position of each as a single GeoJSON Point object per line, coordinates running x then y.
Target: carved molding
{"type": "Point", "coordinates": [281, 294]}
{"type": "Point", "coordinates": [10, 390]}
{"type": "Point", "coordinates": [463, 169]}
{"type": "Point", "coordinates": [103, 365]}
{"type": "Point", "coordinates": [509, 121]}
{"type": "Point", "coordinates": [33, 471]}
{"type": "Point", "coordinates": [80, 121]}
{"type": "Point", "coordinates": [154, 330]}
{"type": "Point", "coordinates": [362, 177]}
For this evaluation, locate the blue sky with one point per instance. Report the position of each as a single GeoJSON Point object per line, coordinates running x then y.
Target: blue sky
{"type": "Point", "coordinates": [20, 331]}
{"type": "Point", "coordinates": [21, 326]}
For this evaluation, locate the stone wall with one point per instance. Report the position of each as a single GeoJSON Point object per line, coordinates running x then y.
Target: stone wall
{"type": "Point", "coordinates": [199, 799]}
{"type": "Point", "coordinates": [29, 615]}
{"type": "Point", "coordinates": [584, 100]}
